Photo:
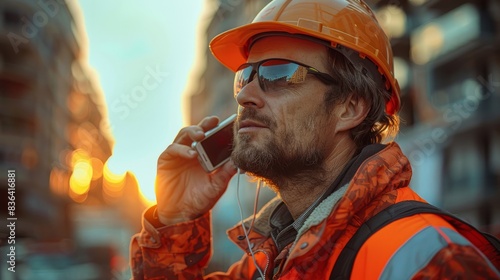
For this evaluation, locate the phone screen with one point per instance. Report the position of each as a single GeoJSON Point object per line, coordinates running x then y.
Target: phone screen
{"type": "Point", "coordinates": [218, 147]}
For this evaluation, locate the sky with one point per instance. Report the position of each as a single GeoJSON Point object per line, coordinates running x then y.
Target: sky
{"type": "Point", "coordinates": [143, 53]}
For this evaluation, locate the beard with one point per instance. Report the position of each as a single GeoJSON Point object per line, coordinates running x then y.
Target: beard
{"type": "Point", "coordinates": [282, 157]}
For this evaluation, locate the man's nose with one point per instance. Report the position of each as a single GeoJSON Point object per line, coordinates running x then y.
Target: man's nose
{"type": "Point", "coordinates": [251, 95]}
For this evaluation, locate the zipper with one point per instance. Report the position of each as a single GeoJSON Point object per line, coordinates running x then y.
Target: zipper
{"type": "Point", "coordinates": [267, 263]}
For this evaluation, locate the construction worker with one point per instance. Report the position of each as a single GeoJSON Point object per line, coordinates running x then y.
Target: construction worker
{"type": "Point", "coordinates": [317, 98]}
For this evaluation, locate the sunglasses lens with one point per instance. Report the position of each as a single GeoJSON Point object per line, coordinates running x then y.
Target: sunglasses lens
{"type": "Point", "coordinates": [275, 74]}
{"type": "Point", "coordinates": [242, 78]}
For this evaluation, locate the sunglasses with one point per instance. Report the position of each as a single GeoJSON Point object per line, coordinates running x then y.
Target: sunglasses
{"type": "Point", "coordinates": [276, 73]}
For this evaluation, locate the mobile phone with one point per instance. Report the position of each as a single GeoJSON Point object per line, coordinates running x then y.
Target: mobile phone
{"type": "Point", "coordinates": [215, 149]}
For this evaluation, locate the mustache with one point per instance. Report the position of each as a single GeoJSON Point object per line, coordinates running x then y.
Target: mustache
{"type": "Point", "coordinates": [251, 114]}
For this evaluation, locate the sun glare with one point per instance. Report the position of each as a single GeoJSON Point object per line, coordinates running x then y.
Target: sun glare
{"type": "Point", "coordinates": [144, 56]}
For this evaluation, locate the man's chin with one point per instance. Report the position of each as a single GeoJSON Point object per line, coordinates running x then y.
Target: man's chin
{"type": "Point", "coordinates": [249, 158]}
{"type": "Point", "coordinates": [249, 144]}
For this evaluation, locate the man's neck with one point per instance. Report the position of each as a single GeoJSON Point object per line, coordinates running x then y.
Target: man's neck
{"type": "Point", "coordinates": [300, 192]}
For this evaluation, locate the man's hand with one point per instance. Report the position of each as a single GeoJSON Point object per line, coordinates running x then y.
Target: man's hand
{"type": "Point", "coordinates": [184, 191]}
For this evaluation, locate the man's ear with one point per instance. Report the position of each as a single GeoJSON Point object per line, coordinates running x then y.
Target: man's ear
{"type": "Point", "coordinates": [351, 113]}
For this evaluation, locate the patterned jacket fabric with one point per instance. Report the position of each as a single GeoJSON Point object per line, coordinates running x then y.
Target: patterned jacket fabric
{"type": "Point", "coordinates": [422, 246]}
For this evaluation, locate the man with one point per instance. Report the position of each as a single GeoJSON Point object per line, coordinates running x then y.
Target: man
{"type": "Point", "coordinates": [317, 95]}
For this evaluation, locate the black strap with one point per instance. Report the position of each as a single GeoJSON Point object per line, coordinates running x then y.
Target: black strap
{"type": "Point", "coordinates": [343, 266]}
{"type": "Point", "coordinates": [492, 239]}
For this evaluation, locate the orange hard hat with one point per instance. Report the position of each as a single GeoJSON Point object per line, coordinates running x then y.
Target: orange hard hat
{"type": "Point", "coordinates": [346, 25]}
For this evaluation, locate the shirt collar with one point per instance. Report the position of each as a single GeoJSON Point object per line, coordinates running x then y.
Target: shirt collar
{"type": "Point", "coordinates": [285, 228]}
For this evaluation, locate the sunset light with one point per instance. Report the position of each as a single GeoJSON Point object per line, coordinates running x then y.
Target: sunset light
{"type": "Point", "coordinates": [143, 57]}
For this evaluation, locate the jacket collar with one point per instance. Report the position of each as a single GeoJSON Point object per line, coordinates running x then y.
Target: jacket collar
{"type": "Point", "coordinates": [373, 171]}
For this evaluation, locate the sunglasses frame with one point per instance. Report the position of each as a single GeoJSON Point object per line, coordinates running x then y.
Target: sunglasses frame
{"type": "Point", "coordinates": [323, 77]}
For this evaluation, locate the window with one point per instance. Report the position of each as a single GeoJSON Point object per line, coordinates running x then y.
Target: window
{"type": "Point", "coordinates": [465, 167]}
{"type": "Point", "coordinates": [12, 17]}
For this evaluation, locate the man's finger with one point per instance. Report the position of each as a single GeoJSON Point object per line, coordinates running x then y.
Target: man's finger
{"type": "Point", "coordinates": [192, 133]}
{"type": "Point", "coordinates": [176, 150]}
{"type": "Point", "coordinates": [208, 123]}
{"type": "Point", "coordinates": [189, 134]}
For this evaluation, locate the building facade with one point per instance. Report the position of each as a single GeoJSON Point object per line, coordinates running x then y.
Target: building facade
{"type": "Point", "coordinates": [448, 57]}
{"type": "Point", "coordinates": [54, 135]}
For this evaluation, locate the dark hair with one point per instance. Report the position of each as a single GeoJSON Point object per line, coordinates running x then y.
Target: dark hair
{"type": "Point", "coordinates": [378, 125]}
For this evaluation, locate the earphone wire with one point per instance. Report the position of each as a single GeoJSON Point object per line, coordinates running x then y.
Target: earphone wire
{"type": "Point", "coordinates": [255, 204]}
{"type": "Point", "coordinates": [253, 219]}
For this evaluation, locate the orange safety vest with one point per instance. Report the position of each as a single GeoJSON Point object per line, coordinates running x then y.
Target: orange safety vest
{"type": "Point", "coordinates": [487, 243]}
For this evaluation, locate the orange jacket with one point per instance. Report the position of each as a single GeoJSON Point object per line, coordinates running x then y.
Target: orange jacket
{"type": "Point", "coordinates": [422, 246]}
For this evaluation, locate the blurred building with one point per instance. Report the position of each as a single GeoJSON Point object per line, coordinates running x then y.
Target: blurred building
{"type": "Point", "coordinates": [215, 92]}
{"type": "Point", "coordinates": [54, 134]}
{"type": "Point", "coordinates": [447, 56]}
{"type": "Point", "coordinates": [447, 61]}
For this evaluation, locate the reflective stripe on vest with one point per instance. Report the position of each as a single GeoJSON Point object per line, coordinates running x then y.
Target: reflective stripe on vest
{"type": "Point", "coordinates": [417, 252]}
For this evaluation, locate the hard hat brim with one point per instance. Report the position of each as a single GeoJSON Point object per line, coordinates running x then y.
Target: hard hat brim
{"type": "Point", "coordinates": [230, 47]}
